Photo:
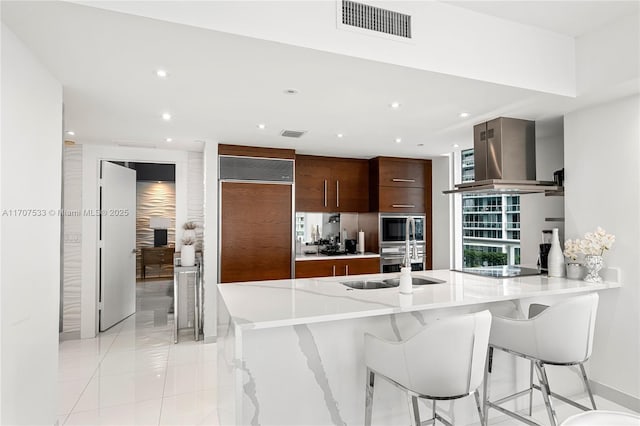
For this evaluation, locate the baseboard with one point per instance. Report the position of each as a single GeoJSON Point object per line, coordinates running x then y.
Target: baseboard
{"type": "Point", "coordinates": [614, 395]}
{"type": "Point", "coordinates": [69, 335]}
{"type": "Point", "coordinates": [210, 339]}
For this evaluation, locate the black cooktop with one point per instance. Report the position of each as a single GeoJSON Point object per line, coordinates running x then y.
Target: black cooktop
{"type": "Point", "coordinates": [500, 271]}
{"type": "Point", "coordinates": [333, 252]}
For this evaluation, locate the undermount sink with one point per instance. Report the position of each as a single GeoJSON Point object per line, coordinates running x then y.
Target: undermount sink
{"type": "Point", "coordinates": [388, 283]}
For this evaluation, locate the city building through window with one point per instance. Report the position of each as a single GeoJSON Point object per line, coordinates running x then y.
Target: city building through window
{"type": "Point", "coordinates": [490, 224]}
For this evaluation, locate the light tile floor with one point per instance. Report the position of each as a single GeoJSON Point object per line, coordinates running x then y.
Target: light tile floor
{"type": "Point", "coordinates": [133, 374]}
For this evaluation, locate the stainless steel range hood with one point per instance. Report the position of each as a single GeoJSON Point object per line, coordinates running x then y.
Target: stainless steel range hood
{"type": "Point", "coordinates": [505, 159]}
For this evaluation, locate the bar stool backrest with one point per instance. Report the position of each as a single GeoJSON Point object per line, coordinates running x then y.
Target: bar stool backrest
{"type": "Point", "coordinates": [447, 357]}
{"type": "Point", "coordinates": [563, 333]}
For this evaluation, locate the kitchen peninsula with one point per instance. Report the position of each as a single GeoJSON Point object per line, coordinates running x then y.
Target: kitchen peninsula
{"type": "Point", "coordinates": [290, 352]}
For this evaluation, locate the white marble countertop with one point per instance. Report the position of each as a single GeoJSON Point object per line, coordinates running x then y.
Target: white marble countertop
{"type": "Point", "coordinates": [267, 304]}
{"type": "Point", "coordinates": [318, 256]}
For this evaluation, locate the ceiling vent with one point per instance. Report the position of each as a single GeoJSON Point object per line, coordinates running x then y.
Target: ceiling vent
{"type": "Point", "coordinates": [376, 19]}
{"type": "Point", "coordinates": [292, 133]}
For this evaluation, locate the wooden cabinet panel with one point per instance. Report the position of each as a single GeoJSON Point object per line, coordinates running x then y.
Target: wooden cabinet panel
{"type": "Point", "coordinates": [337, 267]}
{"type": "Point", "coordinates": [312, 184]}
{"type": "Point", "coordinates": [369, 265]}
{"type": "Point", "coordinates": [327, 184]}
{"type": "Point", "coordinates": [255, 232]}
{"type": "Point", "coordinates": [400, 200]}
{"type": "Point", "coordinates": [314, 268]}
{"type": "Point", "coordinates": [400, 172]}
{"type": "Point", "coordinates": [350, 185]}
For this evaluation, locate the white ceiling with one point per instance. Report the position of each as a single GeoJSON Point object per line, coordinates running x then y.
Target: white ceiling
{"type": "Point", "coordinates": [221, 86]}
{"type": "Point", "coordinates": [573, 18]}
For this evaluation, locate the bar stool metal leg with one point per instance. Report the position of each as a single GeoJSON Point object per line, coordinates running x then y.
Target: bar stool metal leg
{"type": "Point", "coordinates": [546, 392]}
{"type": "Point", "coordinates": [530, 388]}
{"type": "Point", "coordinates": [586, 383]}
{"type": "Point", "coordinates": [368, 404]}
{"type": "Point", "coordinates": [485, 385]}
{"type": "Point", "coordinates": [414, 411]}
{"type": "Point", "coordinates": [476, 396]}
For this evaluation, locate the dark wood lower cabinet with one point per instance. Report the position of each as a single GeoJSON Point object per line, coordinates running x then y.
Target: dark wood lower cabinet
{"type": "Point", "coordinates": [337, 267]}
{"type": "Point", "coordinates": [255, 232]}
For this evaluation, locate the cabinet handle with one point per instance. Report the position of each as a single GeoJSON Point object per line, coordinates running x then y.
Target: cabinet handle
{"type": "Point", "coordinates": [403, 206]}
{"type": "Point", "coordinates": [334, 270]}
{"type": "Point", "coordinates": [346, 269]}
{"type": "Point", "coordinates": [403, 180]}
{"type": "Point", "coordinates": [337, 193]}
{"type": "Point", "coordinates": [325, 193]}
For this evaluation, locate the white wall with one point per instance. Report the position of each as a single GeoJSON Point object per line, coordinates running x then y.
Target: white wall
{"type": "Point", "coordinates": [92, 154]}
{"type": "Point", "coordinates": [602, 153]}
{"type": "Point", "coordinates": [441, 208]}
{"type": "Point", "coordinates": [30, 177]}
{"type": "Point", "coordinates": [210, 242]}
{"type": "Point", "coordinates": [446, 39]}
{"type": "Point", "coordinates": [535, 208]}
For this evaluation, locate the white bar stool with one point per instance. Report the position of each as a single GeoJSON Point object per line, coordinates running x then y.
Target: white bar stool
{"type": "Point", "coordinates": [442, 361]}
{"type": "Point", "coordinates": [561, 334]}
{"type": "Point", "coordinates": [601, 417]}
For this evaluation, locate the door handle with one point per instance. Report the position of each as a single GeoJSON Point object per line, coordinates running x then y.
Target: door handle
{"type": "Point", "coordinates": [334, 270]}
{"type": "Point", "coordinates": [403, 180]}
{"type": "Point", "coordinates": [403, 206]}
{"type": "Point", "coordinates": [337, 193]}
{"type": "Point", "coordinates": [133, 251]}
{"type": "Point", "coordinates": [346, 269]}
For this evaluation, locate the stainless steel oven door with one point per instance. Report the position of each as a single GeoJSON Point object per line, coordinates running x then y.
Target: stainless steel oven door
{"type": "Point", "coordinates": [391, 258]}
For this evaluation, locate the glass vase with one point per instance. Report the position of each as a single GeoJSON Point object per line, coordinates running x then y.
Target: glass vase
{"type": "Point", "coordinates": [574, 271]}
{"type": "Point", "coordinates": [593, 263]}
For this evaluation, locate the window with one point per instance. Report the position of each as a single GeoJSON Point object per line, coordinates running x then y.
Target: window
{"type": "Point", "coordinates": [490, 224]}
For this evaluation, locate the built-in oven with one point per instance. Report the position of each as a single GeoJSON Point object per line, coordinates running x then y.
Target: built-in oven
{"type": "Point", "coordinates": [393, 227]}
{"type": "Point", "coordinates": [391, 258]}
{"type": "Point", "coordinates": [392, 237]}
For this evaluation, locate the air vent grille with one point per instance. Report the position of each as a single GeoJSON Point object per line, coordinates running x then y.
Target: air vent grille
{"type": "Point", "coordinates": [376, 19]}
{"type": "Point", "coordinates": [292, 133]}
{"type": "Point", "coordinates": [275, 170]}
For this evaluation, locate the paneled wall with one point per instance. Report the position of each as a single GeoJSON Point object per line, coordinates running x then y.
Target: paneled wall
{"type": "Point", "coordinates": [72, 240]}
{"type": "Point", "coordinates": [154, 199]}
{"type": "Point", "coordinates": [195, 193]}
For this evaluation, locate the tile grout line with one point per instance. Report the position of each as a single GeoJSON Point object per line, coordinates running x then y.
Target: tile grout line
{"type": "Point", "coordinates": [164, 387]}
{"type": "Point", "coordinates": [101, 358]}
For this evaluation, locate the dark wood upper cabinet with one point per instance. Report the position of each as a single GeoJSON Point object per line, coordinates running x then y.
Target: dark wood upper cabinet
{"type": "Point", "coordinates": [400, 185]}
{"type": "Point", "coordinates": [327, 184]}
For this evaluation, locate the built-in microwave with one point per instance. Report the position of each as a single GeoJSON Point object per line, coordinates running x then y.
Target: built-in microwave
{"type": "Point", "coordinates": [393, 227]}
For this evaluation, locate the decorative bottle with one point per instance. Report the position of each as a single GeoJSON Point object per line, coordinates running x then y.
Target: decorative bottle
{"type": "Point", "coordinates": [555, 261]}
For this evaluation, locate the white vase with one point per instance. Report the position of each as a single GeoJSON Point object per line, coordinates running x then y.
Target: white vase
{"type": "Point", "coordinates": [188, 255]}
{"type": "Point", "coordinates": [555, 260]}
{"type": "Point", "coordinates": [593, 263]}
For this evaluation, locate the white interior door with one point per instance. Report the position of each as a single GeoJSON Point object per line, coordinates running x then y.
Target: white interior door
{"type": "Point", "coordinates": [118, 244]}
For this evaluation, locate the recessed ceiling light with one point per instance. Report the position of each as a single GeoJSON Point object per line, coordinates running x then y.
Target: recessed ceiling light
{"type": "Point", "coordinates": [71, 133]}
{"type": "Point", "coordinates": [339, 135]}
{"type": "Point", "coordinates": [261, 126]}
{"type": "Point", "coordinates": [395, 105]}
{"type": "Point", "coordinates": [290, 91]}
{"type": "Point", "coordinates": [398, 140]}
{"type": "Point", "coordinates": [169, 140]}
{"type": "Point", "coordinates": [455, 145]}
{"type": "Point", "coordinates": [166, 116]}
{"type": "Point", "coordinates": [162, 73]}
{"type": "Point", "coordinates": [464, 114]}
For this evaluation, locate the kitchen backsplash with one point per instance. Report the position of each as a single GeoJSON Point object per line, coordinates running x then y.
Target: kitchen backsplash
{"type": "Point", "coordinates": [312, 227]}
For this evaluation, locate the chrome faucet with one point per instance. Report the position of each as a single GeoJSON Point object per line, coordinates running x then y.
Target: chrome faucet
{"type": "Point", "coordinates": [410, 252]}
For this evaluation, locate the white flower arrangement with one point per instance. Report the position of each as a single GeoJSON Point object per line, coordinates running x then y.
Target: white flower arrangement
{"type": "Point", "coordinates": [594, 243]}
